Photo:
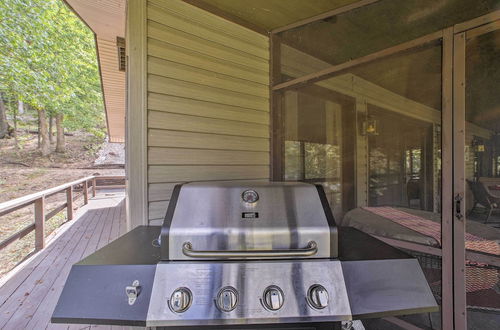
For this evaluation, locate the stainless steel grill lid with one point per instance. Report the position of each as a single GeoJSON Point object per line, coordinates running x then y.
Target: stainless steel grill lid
{"type": "Point", "coordinates": [248, 220]}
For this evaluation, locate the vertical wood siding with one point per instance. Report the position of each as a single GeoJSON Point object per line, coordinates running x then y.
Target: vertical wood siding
{"type": "Point", "coordinates": [208, 100]}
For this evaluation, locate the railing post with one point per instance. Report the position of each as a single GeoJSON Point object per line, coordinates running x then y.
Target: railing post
{"type": "Point", "coordinates": [85, 193]}
{"type": "Point", "coordinates": [94, 188]}
{"type": "Point", "coordinates": [40, 223]}
{"type": "Point", "coordinates": [69, 202]}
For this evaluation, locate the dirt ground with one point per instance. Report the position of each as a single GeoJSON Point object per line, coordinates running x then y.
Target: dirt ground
{"type": "Point", "coordinates": [23, 171]}
{"type": "Point", "coordinates": [81, 150]}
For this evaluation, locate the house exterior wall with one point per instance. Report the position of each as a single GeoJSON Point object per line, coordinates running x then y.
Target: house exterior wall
{"type": "Point", "coordinates": [207, 101]}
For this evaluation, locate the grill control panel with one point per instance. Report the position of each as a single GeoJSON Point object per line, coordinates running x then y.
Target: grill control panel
{"type": "Point", "coordinates": [289, 290]}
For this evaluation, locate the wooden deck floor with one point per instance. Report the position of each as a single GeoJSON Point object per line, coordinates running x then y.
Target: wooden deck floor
{"type": "Point", "coordinates": [28, 296]}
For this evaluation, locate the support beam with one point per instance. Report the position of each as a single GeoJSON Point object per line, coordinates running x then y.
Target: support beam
{"type": "Point", "coordinates": [40, 223]}
{"type": "Point", "coordinates": [361, 155]}
{"type": "Point", "coordinates": [325, 15]}
{"type": "Point", "coordinates": [478, 21]}
{"type": "Point", "coordinates": [277, 121]}
{"type": "Point", "coordinates": [136, 114]}
{"type": "Point", "coordinates": [447, 181]}
{"type": "Point", "coordinates": [340, 68]}
{"type": "Point", "coordinates": [85, 193]}
{"type": "Point", "coordinates": [483, 29]}
{"type": "Point", "coordinates": [69, 202]}
{"type": "Point", "coordinates": [459, 289]}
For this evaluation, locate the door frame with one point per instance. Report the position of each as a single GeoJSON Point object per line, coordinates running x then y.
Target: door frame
{"type": "Point", "coordinates": [461, 33]}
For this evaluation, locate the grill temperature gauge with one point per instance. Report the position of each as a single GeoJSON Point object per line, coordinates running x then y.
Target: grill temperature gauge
{"type": "Point", "coordinates": [250, 196]}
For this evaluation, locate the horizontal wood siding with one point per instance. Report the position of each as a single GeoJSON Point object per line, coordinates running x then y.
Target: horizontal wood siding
{"type": "Point", "coordinates": [162, 173]}
{"type": "Point", "coordinates": [208, 101]}
{"type": "Point", "coordinates": [198, 91]}
{"type": "Point", "coordinates": [179, 156]}
{"type": "Point", "coordinates": [167, 51]}
{"type": "Point", "coordinates": [177, 139]}
{"type": "Point", "coordinates": [166, 120]}
{"type": "Point", "coordinates": [174, 104]}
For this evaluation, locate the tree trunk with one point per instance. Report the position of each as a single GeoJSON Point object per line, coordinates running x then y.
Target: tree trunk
{"type": "Point", "coordinates": [51, 129]}
{"type": "Point", "coordinates": [38, 130]}
{"type": "Point", "coordinates": [4, 125]}
{"type": "Point", "coordinates": [20, 107]}
{"type": "Point", "coordinates": [14, 133]}
{"type": "Point", "coordinates": [60, 147]}
{"type": "Point", "coordinates": [44, 133]}
{"type": "Point", "coordinates": [16, 141]}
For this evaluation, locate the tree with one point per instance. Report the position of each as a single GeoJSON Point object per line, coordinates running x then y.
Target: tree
{"type": "Point", "coordinates": [48, 60]}
{"type": "Point", "coordinates": [44, 133]}
{"type": "Point", "coordinates": [4, 125]}
{"type": "Point", "coordinates": [60, 133]}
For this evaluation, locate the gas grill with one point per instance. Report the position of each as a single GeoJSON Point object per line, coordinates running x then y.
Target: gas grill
{"type": "Point", "coordinates": [242, 254]}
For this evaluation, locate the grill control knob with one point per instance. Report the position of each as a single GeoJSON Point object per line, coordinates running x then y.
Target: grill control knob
{"type": "Point", "coordinates": [180, 300]}
{"type": "Point", "coordinates": [317, 296]}
{"type": "Point", "coordinates": [273, 298]}
{"type": "Point", "coordinates": [227, 299]}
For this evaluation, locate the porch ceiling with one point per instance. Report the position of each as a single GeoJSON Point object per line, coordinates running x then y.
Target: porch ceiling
{"type": "Point", "coordinates": [271, 14]}
{"type": "Point", "coordinates": [107, 19]}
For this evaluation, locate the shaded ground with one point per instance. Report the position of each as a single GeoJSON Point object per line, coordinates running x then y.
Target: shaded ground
{"type": "Point", "coordinates": [81, 150]}
{"type": "Point", "coordinates": [23, 171]}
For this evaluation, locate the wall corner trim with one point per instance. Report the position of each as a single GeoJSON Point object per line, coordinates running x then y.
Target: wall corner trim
{"type": "Point", "coordinates": [136, 114]}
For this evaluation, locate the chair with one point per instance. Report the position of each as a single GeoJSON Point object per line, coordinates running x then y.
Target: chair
{"type": "Point", "coordinates": [483, 197]}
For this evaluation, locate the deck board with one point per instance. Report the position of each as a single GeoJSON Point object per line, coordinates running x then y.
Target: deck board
{"type": "Point", "coordinates": [29, 296]}
{"type": "Point", "coordinates": [42, 315]}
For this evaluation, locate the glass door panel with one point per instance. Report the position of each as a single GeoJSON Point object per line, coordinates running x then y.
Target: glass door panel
{"type": "Point", "coordinates": [482, 175]}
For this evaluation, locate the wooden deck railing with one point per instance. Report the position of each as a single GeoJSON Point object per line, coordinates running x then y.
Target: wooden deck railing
{"type": "Point", "coordinates": [38, 200]}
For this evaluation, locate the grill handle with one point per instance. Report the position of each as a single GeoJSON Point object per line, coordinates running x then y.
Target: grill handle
{"type": "Point", "coordinates": [310, 250]}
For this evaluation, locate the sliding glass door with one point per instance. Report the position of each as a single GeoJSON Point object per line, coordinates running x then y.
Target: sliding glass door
{"type": "Point", "coordinates": [477, 175]}
{"type": "Point", "coordinates": [399, 119]}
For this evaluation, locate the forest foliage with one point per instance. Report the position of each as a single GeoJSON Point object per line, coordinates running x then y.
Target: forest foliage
{"type": "Point", "coordinates": [48, 61]}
